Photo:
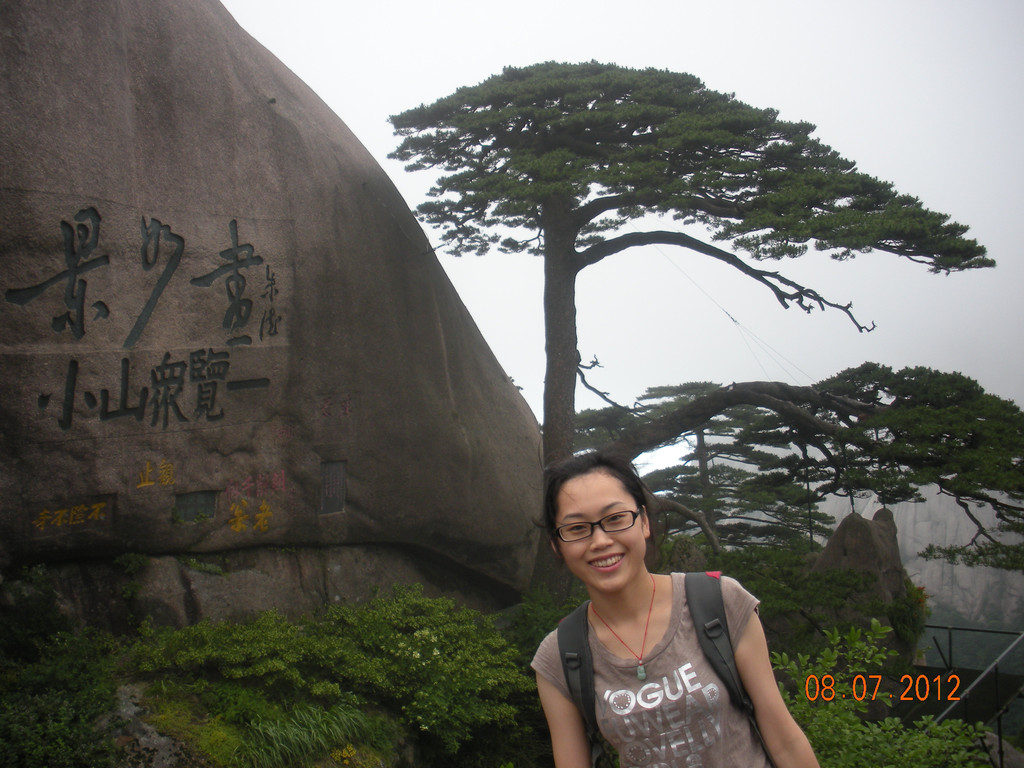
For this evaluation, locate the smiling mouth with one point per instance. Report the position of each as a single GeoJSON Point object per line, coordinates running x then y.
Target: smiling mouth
{"type": "Point", "coordinates": [605, 562]}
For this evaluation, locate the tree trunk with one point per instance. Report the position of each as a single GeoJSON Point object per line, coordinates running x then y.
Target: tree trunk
{"type": "Point", "coordinates": [704, 471]}
{"type": "Point", "coordinates": [560, 338]}
{"type": "Point", "coordinates": [562, 358]}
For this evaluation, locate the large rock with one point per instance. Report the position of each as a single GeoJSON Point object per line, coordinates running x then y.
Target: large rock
{"type": "Point", "coordinates": [222, 327]}
{"type": "Point", "coordinates": [231, 586]}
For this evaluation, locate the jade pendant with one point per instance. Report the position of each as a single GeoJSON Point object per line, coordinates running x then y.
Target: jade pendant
{"type": "Point", "coordinates": [641, 673]}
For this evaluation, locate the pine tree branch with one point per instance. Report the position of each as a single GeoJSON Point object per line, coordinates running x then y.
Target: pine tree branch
{"type": "Point", "coordinates": [786, 291]}
{"type": "Point", "coordinates": [776, 396]}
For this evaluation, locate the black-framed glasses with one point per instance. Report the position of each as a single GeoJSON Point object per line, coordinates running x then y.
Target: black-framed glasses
{"type": "Point", "coordinates": [613, 523]}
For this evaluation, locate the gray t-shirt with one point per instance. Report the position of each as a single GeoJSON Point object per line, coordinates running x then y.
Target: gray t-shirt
{"type": "Point", "coordinates": [680, 716]}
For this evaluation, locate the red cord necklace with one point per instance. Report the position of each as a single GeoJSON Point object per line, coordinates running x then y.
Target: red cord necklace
{"type": "Point", "coordinates": [641, 672]}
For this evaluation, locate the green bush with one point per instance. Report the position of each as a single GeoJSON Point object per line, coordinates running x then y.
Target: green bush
{"type": "Point", "coordinates": [55, 684]}
{"type": "Point", "coordinates": [537, 615]}
{"type": "Point", "coordinates": [447, 670]}
{"type": "Point", "coordinates": [444, 672]}
{"type": "Point", "coordinates": [50, 706]}
{"type": "Point", "coordinates": [268, 649]}
{"type": "Point", "coordinates": [258, 693]}
{"type": "Point", "coordinates": [834, 722]}
{"type": "Point", "coordinates": [28, 617]}
{"type": "Point", "coordinates": [909, 612]}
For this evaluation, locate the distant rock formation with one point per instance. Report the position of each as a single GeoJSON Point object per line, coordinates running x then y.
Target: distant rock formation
{"type": "Point", "coordinates": [959, 594]}
{"type": "Point", "coordinates": [868, 546]}
{"type": "Point", "coordinates": [224, 332]}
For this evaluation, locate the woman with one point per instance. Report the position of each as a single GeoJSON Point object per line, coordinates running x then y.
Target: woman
{"type": "Point", "coordinates": [658, 701]}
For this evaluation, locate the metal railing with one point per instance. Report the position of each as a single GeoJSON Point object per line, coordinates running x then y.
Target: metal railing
{"type": "Point", "coordinates": [990, 673]}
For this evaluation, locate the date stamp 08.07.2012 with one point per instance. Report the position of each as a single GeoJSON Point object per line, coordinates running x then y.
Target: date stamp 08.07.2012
{"type": "Point", "coordinates": [866, 688]}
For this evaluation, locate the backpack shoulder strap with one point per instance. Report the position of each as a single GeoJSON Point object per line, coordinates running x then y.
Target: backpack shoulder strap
{"type": "Point", "coordinates": [707, 608]}
{"type": "Point", "coordinates": [704, 597]}
{"type": "Point", "coordinates": [578, 667]}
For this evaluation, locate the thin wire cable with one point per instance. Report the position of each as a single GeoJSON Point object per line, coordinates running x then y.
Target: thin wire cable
{"type": "Point", "coordinates": [744, 332]}
{"type": "Point", "coordinates": [777, 357]}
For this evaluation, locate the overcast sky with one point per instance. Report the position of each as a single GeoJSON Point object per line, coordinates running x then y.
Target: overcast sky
{"type": "Point", "coordinates": [926, 95]}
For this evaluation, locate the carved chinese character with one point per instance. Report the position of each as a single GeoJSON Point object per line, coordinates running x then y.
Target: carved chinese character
{"type": "Point", "coordinates": [239, 308]}
{"type": "Point", "coordinates": [79, 243]}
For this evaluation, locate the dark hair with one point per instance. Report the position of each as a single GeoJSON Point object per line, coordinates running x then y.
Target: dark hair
{"type": "Point", "coordinates": [557, 475]}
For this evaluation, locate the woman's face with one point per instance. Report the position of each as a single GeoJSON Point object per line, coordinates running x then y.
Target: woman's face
{"type": "Point", "coordinates": [603, 561]}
